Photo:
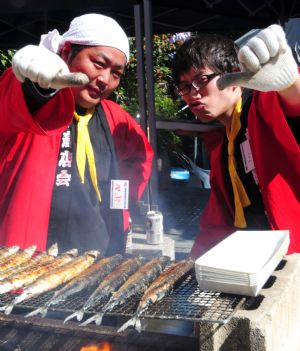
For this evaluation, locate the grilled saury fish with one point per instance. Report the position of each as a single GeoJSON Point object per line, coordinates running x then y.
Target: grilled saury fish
{"type": "Point", "coordinates": [8, 250]}
{"type": "Point", "coordinates": [17, 258]}
{"type": "Point", "coordinates": [109, 284]}
{"type": "Point", "coordinates": [32, 272]}
{"type": "Point", "coordinates": [87, 279]}
{"type": "Point", "coordinates": [54, 278]}
{"type": "Point", "coordinates": [39, 259]}
{"type": "Point", "coordinates": [160, 287]}
{"type": "Point", "coordinates": [135, 284]}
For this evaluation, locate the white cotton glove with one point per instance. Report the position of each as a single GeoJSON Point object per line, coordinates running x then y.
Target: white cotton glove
{"type": "Point", "coordinates": [267, 63]}
{"type": "Point", "coordinates": [45, 68]}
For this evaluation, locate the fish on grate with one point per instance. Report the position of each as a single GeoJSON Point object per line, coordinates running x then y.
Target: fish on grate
{"type": "Point", "coordinates": [87, 279]}
{"type": "Point", "coordinates": [8, 250]}
{"type": "Point", "coordinates": [17, 258]}
{"type": "Point", "coordinates": [159, 288]}
{"type": "Point", "coordinates": [135, 284]}
{"type": "Point", "coordinates": [32, 272]}
{"type": "Point", "coordinates": [55, 277]}
{"type": "Point", "coordinates": [110, 284]}
{"type": "Point", "coordinates": [39, 259]}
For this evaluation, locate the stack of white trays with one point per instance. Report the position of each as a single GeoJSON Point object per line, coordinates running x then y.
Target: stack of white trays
{"type": "Point", "coordinates": [243, 262]}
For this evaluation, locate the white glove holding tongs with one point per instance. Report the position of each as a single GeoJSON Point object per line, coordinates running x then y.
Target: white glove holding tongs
{"type": "Point", "coordinates": [267, 63]}
{"type": "Point", "coordinates": [45, 68]}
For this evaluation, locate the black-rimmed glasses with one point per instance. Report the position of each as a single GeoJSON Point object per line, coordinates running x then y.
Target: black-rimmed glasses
{"type": "Point", "coordinates": [198, 83]}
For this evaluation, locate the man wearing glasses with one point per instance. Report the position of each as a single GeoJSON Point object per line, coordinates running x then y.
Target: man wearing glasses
{"type": "Point", "coordinates": [255, 159]}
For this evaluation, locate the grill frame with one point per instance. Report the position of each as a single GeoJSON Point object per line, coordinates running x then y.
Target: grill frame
{"type": "Point", "coordinates": [16, 330]}
{"type": "Point", "coordinates": [186, 302]}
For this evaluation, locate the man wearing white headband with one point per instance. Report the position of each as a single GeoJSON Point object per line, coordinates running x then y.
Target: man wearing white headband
{"type": "Point", "coordinates": [70, 158]}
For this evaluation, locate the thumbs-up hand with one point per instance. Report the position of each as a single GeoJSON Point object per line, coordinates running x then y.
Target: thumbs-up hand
{"type": "Point", "coordinates": [45, 68]}
{"type": "Point", "coordinates": [267, 63]}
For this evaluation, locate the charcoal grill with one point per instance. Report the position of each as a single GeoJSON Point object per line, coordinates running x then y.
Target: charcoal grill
{"type": "Point", "coordinates": [185, 302]}
{"type": "Point", "coordinates": [36, 334]}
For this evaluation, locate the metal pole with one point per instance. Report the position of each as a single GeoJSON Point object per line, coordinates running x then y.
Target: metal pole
{"type": "Point", "coordinates": [141, 82]}
{"type": "Point", "coordinates": [140, 66]}
{"type": "Point", "coordinates": [150, 99]}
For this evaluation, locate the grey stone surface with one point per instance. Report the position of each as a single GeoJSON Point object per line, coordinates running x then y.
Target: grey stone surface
{"type": "Point", "coordinates": [269, 322]}
{"type": "Point", "coordinates": [140, 246]}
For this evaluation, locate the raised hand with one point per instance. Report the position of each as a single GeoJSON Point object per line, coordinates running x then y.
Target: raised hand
{"type": "Point", "coordinates": [45, 68]}
{"type": "Point", "coordinates": [267, 63]}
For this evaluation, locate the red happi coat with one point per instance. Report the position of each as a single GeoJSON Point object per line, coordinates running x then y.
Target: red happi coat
{"type": "Point", "coordinates": [29, 147]}
{"type": "Point", "coordinates": [276, 156]}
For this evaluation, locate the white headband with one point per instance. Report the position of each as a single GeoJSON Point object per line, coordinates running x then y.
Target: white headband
{"type": "Point", "coordinates": [91, 29]}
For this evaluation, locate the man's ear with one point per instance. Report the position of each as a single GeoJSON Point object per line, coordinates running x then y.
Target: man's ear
{"type": "Point", "coordinates": [236, 87]}
{"type": "Point", "coordinates": [66, 52]}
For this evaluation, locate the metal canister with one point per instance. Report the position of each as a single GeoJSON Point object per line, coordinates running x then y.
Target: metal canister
{"type": "Point", "coordinates": [154, 227]}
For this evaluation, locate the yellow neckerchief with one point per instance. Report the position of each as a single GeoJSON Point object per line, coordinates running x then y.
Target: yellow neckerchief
{"type": "Point", "coordinates": [241, 199]}
{"type": "Point", "coordinates": [85, 150]}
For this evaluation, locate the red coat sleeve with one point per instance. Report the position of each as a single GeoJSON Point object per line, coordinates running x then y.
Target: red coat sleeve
{"type": "Point", "coordinates": [15, 116]}
{"type": "Point", "coordinates": [276, 155]}
{"type": "Point", "coordinates": [29, 145]}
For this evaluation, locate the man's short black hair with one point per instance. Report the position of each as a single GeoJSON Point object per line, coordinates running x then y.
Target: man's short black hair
{"type": "Point", "coordinates": [215, 51]}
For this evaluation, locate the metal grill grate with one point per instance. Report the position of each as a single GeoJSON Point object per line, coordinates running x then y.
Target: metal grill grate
{"type": "Point", "coordinates": [185, 302]}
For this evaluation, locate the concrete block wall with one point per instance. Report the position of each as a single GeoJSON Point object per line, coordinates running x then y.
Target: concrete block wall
{"type": "Point", "coordinates": [268, 322]}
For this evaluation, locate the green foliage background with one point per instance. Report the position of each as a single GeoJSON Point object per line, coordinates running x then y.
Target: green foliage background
{"type": "Point", "coordinates": [167, 103]}
{"type": "Point", "coordinates": [5, 59]}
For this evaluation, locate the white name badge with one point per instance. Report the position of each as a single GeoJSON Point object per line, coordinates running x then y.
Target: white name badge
{"type": "Point", "coordinates": [247, 156]}
{"type": "Point", "coordinates": [119, 194]}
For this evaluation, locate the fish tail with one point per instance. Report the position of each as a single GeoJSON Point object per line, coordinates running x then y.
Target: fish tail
{"type": "Point", "coordinates": [4, 288]}
{"type": "Point", "coordinates": [21, 298]}
{"type": "Point", "coordinates": [138, 325]}
{"type": "Point", "coordinates": [53, 250]}
{"type": "Point", "coordinates": [2, 308]}
{"type": "Point", "coordinates": [41, 310]}
{"type": "Point", "coordinates": [97, 318]}
{"type": "Point", "coordinates": [78, 314]}
{"type": "Point", "coordinates": [8, 308]}
{"type": "Point", "coordinates": [133, 322]}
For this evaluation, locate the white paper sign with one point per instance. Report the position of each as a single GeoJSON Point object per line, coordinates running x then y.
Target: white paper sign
{"type": "Point", "coordinates": [119, 194]}
{"type": "Point", "coordinates": [247, 156]}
